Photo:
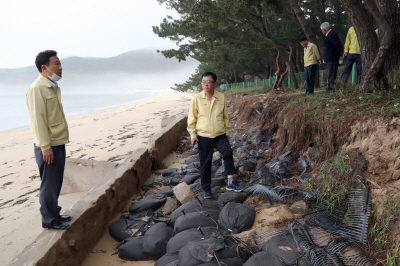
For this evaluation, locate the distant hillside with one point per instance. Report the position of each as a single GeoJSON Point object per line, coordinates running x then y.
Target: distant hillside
{"type": "Point", "coordinates": [90, 71]}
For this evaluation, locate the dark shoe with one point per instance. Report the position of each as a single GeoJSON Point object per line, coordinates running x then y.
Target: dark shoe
{"type": "Point", "coordinates": [234, 186]}
{"type": "Point", "coordinates": [207, 195]}
{"type": "Point", "coordinates": [308, 93]}
{"type": "Point", "coordinates": [57, 226]}
{"type": "Point", "coordinates": [64, 218]}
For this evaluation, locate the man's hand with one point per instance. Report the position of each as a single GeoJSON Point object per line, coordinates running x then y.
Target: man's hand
{"type": "Point", "coordinates": [194, 140]}
{"type": "Point", "coordinates": [48, 156]}
{"type": "Point", "coordinates": [345, 54]}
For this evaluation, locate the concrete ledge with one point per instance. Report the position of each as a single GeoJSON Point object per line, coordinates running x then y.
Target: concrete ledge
{"type": "Point", "coordinates": [93, 212]}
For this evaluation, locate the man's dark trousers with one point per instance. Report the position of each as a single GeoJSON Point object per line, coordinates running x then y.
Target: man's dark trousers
{"type": "Point", "coordinates": [331, 67]}
{"type": "Point", "coordinates": [206, 150]}
{"type": "Point", "coordinates": [50, 187]}
{"type": "Point", "coordinates": [350, 60]}
{"type": "Point", "coordinates": [310, 78]}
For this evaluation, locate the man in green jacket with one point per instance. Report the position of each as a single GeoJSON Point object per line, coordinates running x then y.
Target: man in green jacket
{"type": "Point", "coordinates": [352, 55]}
{"type": "Point", "coordinates": [50, 128]}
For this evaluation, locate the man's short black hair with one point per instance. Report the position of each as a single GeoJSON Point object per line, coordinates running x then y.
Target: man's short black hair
{"type": "Point", "coordinates": [43, 58]}
{"type": "Point", "coordinates": [303, 39]}
{"type": "Point", "coordinates": [212, 74]}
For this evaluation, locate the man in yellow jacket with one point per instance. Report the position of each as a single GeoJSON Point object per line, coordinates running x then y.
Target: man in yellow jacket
{"type": "Point", "coordinates": [50, 128]}
{"type": "Point", "coordinates": [208, 125]}
{"type": "Point", "coordinates": [311, 61]}
{"type": "Point", "coordinates": [352, 54]}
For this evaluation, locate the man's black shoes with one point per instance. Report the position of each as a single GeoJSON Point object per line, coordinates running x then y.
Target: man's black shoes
{"type": "Point", "coordinates": [64, 218]}
{"type": "Point", "coordinates": [57, 225]}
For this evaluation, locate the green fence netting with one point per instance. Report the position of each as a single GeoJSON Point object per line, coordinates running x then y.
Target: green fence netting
{"type": "Point", "coordinates": [269, 83]}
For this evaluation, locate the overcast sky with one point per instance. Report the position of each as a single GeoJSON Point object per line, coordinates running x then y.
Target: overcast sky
{"type": "Point", "coordinates": [96, 28]}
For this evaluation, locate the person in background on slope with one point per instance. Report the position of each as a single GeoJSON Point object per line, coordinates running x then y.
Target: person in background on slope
{"type": "Point", "coordinates": [332, 51]}
{"type": "Point", "coordinates": [311, 61]}
{"type": "Point", "coordinates": [352, 54]}
{"type": "Point", "coordinates": [208, 125]}
{"type": "Point", "coordinates": [48, 123]}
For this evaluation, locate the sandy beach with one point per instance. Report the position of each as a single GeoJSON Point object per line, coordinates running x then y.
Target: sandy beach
{"type": "Point", "coordinates": [109, 135]}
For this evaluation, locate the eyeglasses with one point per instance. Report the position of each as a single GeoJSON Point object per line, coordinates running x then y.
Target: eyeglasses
{"type": "Point", "coordinates": [207, 82]}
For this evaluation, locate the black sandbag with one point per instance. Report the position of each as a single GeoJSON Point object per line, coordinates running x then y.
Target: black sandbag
{"type": "Point", "coordinates": [195, 164]}
{"type": "Point", "coordinates": [247, 165]}
{"type": "Point", "coordinates": [181, 239]}
{"type": "Point", "coordinates": [214, 168]}
{"type": "Point", "coordinates": [131, 249]}
{"type": "Point", "coordinates": [229, 262]}
{"type": "Point", "coordinates": [198, 252]}
{"type": "Point", "coordinates": [196, 219]}
{"type": "Point", "coordinates": [155, 240]}
{"type": "Point", "coordinates": [233, 249]}
{"type": "Point", "coordinates": [174, 181]}
{"type": "Point", "coordinates": [168, 259]}
{"type": "Point", "coordinates": [237, 217]}
{"type": "Point", "coordinates": [151, 202]}
{"type": "Point", "coordinates": [124, 228]}
{"type": "Point", "coordinates": [190, 178]}
{"type": "Point", "coordinates": [185, 258]}
{"type": "Point", "coordinates": [193, 152]}
{"type": "Point", "coordinates": [192, 159]}
{"type": "Point", "coordinates": [285, 249]}
{"type": "Point", "coordinates": [231, 196]}
{"type": "Point", "coordinates": [169, 172]}
{"type": "Point", "coordinates": [218, 181]}
{"type": "Point", "coordinates": [193, 206]}
{"type": "Point", "coordinates": [220, 171]}
{"type": "Point", "coordinates": [261, 258]}
{"type": "Point", "coordinates": [169, 192]}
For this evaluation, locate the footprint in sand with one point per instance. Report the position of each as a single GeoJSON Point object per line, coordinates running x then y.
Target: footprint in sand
{"type": "Point", "coordinates": [83, 155]}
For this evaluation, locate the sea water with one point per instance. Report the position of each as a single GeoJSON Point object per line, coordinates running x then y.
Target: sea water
{"type": "Point", "coordinates": [14, 112]}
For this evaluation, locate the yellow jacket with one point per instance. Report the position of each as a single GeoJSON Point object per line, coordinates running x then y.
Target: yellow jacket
{"type": "Point", "coordinates": [209, 119]}
{"type": "Point", "coordinates": [351, 45]}
{"type": "Point", "coordinates": [311, 55]}
{"type": "Point", "coordinates": [46, 114]}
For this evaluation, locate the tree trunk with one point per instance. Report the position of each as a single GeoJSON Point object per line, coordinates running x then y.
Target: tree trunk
{"type": "Point", "coordinates": [279, 48]}
{"type": "Point", "coordinates": [363, 26]}
{"type": "Point", "coordinates": [303, 21]}
{"type": "Point", "coordinates": [383, 56]}
{"type": "Point", "coordinates": [281, 78]}
{"type": "Point", "coordinates": [390, 10]}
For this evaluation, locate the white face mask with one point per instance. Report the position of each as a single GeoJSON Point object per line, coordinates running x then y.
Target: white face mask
{"type": "Point", "coordinates": [54, 77]}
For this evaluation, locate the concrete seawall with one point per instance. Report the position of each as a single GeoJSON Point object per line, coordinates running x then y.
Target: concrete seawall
{"type": "Point", "coordinates": [92, 213]}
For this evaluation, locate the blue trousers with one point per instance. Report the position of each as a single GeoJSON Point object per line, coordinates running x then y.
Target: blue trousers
{"type": "Point", "coordinates": [350, 60]}
{"type": "Point", "coordinates": [310, 77]}
{"type": "Point", "coordinates": [52, 177]}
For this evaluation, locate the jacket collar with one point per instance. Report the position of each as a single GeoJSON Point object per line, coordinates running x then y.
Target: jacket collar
{"type": "Point", "coordinates": [216, 94]}
{"type": "Point", "coordinates": [45, 81]}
